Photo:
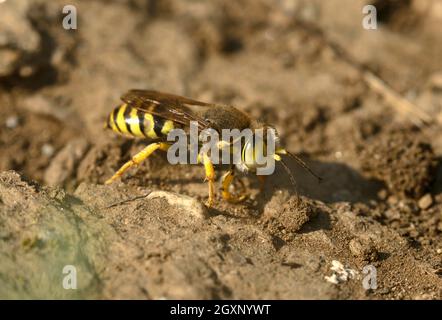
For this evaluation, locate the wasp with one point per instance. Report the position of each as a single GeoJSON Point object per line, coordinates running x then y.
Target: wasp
{"type": "Point", "coordinates": [153, 115]}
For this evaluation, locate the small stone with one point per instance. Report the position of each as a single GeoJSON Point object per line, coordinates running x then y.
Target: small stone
{"type": "Point", "coordinates": [392, 214]}
{"type": "Point", "coordinates": [383, 194]}
{"type": "Point", "coordinates": [332, 279]}
{"type": "Point", "coordinates": [392, 200]}
{"type": "Point", "coordinates": [340, 273]}
{"type": "Point", "coordinates": [190, 204]}
{"type": "Point", "coordinates": [425, 202]}
{"type": "Point", "coordinates": [26, 71]}
{"type": "Point", "coordinates": [47, 150]}
{"type": "Point", "coordinates": [11, 122]}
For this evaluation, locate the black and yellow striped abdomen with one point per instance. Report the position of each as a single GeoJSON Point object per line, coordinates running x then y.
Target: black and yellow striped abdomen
{"type": "Point", "coordinates": [136, 123]}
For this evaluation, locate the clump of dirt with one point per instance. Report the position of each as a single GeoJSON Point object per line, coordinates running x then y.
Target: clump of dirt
{"type": "Point", "coordinates": [364, 249]}
{"type": "Point", "coordinates": [403, 161]}
{"type": "Point", "coordinates": [285, 222]}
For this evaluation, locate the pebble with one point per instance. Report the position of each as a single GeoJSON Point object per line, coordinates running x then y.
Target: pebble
{"type": "Point", "coordinates": [190, 204]}
{"type": "Point", "coordinates": [47, 150]}
{"type": "Point", "coordinates": [26, 71]}
{"type": "Point", "coordinates": [11, 122]}
{"type": "Point", "coordinates": [340, 273]}
{"type": "Point", "coordinates": [392, 200]}
{"type": "Point", "coordinates": [383, 194]}
{"type": "Point", "coordinates": [392, 214]}
{"type": "Point", "coordinates": [425, 202]}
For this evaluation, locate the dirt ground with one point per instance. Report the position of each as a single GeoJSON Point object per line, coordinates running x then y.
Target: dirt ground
{"type": "Point", "coordinates": [303, 66]}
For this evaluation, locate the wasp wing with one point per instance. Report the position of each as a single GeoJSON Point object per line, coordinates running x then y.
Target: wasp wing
{"type": "Point", "coordinates": [168, 106]}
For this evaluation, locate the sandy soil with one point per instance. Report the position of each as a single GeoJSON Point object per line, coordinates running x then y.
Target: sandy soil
{"type": "Point", "coordinates": [149, 236]}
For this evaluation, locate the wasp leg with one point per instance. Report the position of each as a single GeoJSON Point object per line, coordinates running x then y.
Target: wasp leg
{"type": "Point", "coordinates": [210, 176]}
{"type": "Point", "coordinates": [226, 181]}
{"type": "Point", "coordinates": [138, 158]}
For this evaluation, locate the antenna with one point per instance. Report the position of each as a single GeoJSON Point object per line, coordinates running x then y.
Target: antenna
{"type": "Point", "coordinates": [304, 165]}
{"type": "Point", "coordinates": [292, 179]}
{"type": "Point", "coordinates": [286, 168]}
